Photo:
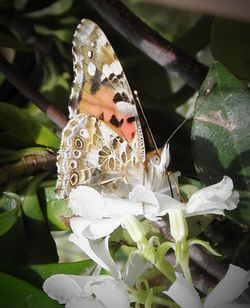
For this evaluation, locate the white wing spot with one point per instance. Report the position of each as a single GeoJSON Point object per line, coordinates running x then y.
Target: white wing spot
{"type": "Point", "coordinates": [90, 54]}
{"type": "Point", "coordinates": [125, 108]}
{"type": "Point", "coordinates": [91, 69]}
{"type": "Point", "coordinates": [106, 70]}
{"type": "Point", "coordinates": [92, 159]}
{"type": "Point", "coordinates": [92, 44]}
{"type": "Point", "coordinates": [84, 133]}
{"type": "Point", "coordinates": [116, 68]}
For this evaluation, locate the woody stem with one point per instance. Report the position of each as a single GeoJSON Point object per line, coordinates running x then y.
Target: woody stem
{"type": "Point", "coordinates": [36, 97]}
{"type": "Point", "coordinates": [150, 42]}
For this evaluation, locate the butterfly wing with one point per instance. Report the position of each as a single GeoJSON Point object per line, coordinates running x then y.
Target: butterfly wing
{"type": "Point", "coordinates": [92, 154]}
{"type": "Point", "coordinates": [100, 87]}
{"type": "Point", "coordinates": [102, 145]}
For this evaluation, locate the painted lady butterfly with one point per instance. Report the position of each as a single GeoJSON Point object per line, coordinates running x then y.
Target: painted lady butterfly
{"type": "Point", "coordinates": [103, 144]}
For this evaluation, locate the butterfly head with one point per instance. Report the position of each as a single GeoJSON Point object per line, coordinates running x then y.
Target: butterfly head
{"type": "Point", "coordinates": [159, 159]}
{"type": "Point", "coordinates": [157, 164]}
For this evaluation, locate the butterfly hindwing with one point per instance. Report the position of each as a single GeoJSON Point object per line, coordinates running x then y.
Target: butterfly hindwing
{"type": "Point", "coordinates": [92, 154]}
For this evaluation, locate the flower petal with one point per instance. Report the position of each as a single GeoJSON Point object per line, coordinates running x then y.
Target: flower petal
{"type": "Point", "coordinates": [234, 305]}
{"type": "Point", "coordinates": [80, 302]}
{"type": "Point", "coordinates": [119, 207]}
{"type": "Point", "coordinates": [135, 267]}
{"type": "Point", "coordinates": [112, 293]}
{"type": "Point", "coordinates": [98, 251]}
{"type": "Point", "coordinates": [86, 202]}
{"type": "Point", "coordinates": [93, 229]}
{"type": "Point", "coordinates": [84, 281]}
{"type": "Point", "coordinates": [183, 293]}
{"type": "Point", "coordinates": [142, 194]}
{"type": "Point", "coordinates": [166, 204]}
{"type": "Point", "coordinates": [62, 288]}
{"type": "Point", "coordinates": [229, 288]}
{"type": "Point", "coordinates": [213, 199]}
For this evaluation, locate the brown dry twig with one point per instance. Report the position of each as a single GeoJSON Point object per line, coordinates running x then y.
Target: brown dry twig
{"type": "Point", "coordinates": [36, 97]}
{"type": "Point", "coordinates": [150, 42]}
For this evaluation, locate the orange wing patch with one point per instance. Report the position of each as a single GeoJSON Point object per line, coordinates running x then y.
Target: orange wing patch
{"type": "Point", "coordinates": [102, 106]}
{"type": "Point", "coordinates": [100, 87]}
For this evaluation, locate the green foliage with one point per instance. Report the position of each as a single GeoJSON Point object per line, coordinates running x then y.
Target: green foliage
{"type": "Point", "coordinates": [18, 293]}
{"type": "Point", "coordinates": [57, 210]}
{"type": "Point", "coordinates": [220, 134]}
{"type": "Point", "coordinates": [10, 208]}
{"type": "Point", "coordinates": [230, 44]}
{"type": "Point", "coordinates": [36, 37]}
{"type": "Point", "coordinates": [25, 133]}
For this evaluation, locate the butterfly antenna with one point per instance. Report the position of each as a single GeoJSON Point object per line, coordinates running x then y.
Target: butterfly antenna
{"type": "Point", "coordinates": [178, 127]}
{"type": "Point", "coordinates": [150, 143]}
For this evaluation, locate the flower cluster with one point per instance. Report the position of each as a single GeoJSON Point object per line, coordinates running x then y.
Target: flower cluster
{"type": "Point", "coordinates": [96, 216]}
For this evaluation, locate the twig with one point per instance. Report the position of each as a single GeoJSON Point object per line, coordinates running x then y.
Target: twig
{"type": "Point", "coordinates": [150, 42]}
{"type": "Point", "coordinates": [37, 98]}
{"type": "Point", "coordinates": [207, 262]}
{"type": "Point", "coordinates": [226, 8]}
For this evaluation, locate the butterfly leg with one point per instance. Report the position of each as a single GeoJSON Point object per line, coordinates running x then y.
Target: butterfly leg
{"type": "Point", "coordinates": [117, 185]}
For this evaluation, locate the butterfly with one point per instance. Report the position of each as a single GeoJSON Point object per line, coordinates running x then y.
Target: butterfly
{"type": "Point", "coordinates": [107, 143]}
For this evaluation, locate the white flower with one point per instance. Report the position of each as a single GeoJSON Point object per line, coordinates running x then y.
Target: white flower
{"type": "Point", "coordinates": [135, 267]}
{"type": "Point", "coordinates": [99, 215]}
{"type": "Point", "coordinates": [96, 291]}
{"type": "Point", "coordinates": [98, 251]}
{"type": "Point", "coordinates": [213, 199]}
{"type": "Point", "coordinates": [87, 291]}
{"type": "Point", "coordinates": [223, 295]}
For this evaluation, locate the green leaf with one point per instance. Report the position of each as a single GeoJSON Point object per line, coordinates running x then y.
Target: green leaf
{"type": "Point", "coordinates": [18, 130]}
{"type": "Point", "coordinates": [74, 268]}
{"type": "Point", "coordinates": [198, 224]}
{"type": "Point", "coordinates": [18, 293]}
{"type": "Point", "coordinates": [65, 35]}
{"type": "Point", "coordinates": [10, 216]}
{"type": "Point", "coordinates": [56, 85]}
{"type": "Point", "coordinates": [36, 274]}
{"type": "Point", "coordinates": [41, 246]}
{"type": "Point", "coordinates": [197, 37]}
{"type": "Point", "coordinates": [13, 245]}
{"type": "Point", "coordinates": [230, 44]}
{"type": "Point", "coordinates": [12, 239]}
{"type": "Point", "coordinates": [170, 23]}
{"type": "Point", "coordinates": [10, 42]}
{"type": "Point", "coordinates": [19, 4]}
{"type": "Point", "coordinates": [56, 210]}
{"type": "Point", "coordinates": [57, 8]}
{"type": "Point", "coordinates": [221, 134]}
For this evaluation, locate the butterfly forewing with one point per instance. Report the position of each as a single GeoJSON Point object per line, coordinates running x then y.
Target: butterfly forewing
{"type": "Point", "coordinates": [102, 145]}
{"type": "Point", "coordinates": [100, 87]}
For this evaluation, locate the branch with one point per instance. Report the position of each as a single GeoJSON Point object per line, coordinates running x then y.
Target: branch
{"type": "Point", "coordinates": [227, 9]}
{"type": "Point", "coordinates": [32, 94]}
{"type": "Point", "coordinates": [150, 42]}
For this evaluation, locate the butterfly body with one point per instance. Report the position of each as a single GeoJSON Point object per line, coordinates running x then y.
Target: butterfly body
{"type": "Point", "coordinates": [103, 144]}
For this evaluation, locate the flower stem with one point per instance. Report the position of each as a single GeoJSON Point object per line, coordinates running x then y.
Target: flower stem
{"type": "Point", "coordinates": [138, 234]}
